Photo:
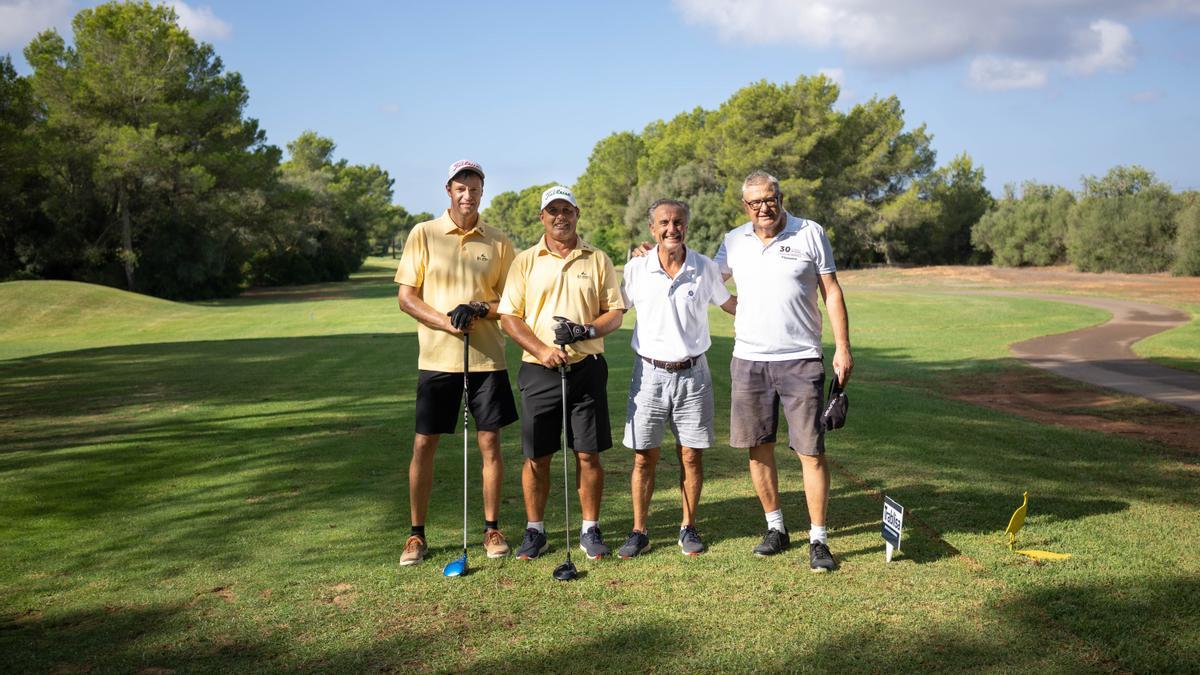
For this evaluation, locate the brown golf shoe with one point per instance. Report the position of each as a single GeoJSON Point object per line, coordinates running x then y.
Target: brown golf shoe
{"type": "Point", "coordinates": [414, 551]}
{"type": "Point", "coordinates": [495, 544]}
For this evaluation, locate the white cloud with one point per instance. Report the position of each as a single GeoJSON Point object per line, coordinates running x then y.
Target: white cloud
{"type": "Point", "coordinates": [1003, 74]}
{"type": "Point", "coordinates": [21, 20]}
{"type": "Point", "coordinates": [201, 22]}
{"type": "Point", "coordinates": [1106, 45]}
{"type": "Point", "coordinates": [838, 75]}
{"type": "Point", "coordinates": [1005, 41]}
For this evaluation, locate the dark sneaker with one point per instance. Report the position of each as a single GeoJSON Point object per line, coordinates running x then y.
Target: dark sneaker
{"type": "Point", "coordinates": [592, 543]}
{"type": "Point", "coordinates": [533, 545]}
{"type": "Point", "coordinates": [637, 544]}
{"type": "Point", "coordinates": [819, 557]}
{"type": "Point", "coordinates": [773, 542]}
{"type": "Point", "coordinates": [689, 541]}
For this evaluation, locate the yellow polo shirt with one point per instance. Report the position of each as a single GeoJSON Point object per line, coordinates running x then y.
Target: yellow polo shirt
{"type": "Point", "coordinates": [450, 266]}
{"type": "Point", "coordinates": [542, 284]}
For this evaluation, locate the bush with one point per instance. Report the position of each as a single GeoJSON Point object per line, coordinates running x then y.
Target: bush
{"type": "Point", "coordinates": [1187, 236]}
{"type": "Point", "coordinates": [1030, 230]}
{"type": "Point", "coordinates": [1128, 233]}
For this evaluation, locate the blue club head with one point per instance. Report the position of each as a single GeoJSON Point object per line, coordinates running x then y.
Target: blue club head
{"type": "Point", "coordinates": [456, 567]}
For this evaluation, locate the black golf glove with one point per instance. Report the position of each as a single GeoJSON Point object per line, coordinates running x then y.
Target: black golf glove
{"type": "Point", "coordinates": [461, 316]}
{"type": "Point", "coordinates": [836, 407]}
{"type": "Point", "coordinates": [567, 332]}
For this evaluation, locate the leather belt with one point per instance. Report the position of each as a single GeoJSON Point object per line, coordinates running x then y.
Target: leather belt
{"type": "Point", "coordinates": [672, 366]}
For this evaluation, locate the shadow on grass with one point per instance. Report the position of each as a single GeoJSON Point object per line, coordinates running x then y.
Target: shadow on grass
{"type": "Point", "coordinates": [211, 441]}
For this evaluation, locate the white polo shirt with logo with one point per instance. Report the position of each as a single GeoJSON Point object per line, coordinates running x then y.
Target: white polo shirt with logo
{"type": "Point", "coordinates": [778, 316]}
{"type": "Point", "coordinates": [672, 320]}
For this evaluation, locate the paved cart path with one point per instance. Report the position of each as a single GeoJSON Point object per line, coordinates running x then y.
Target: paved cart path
{"type": "Point", "coordinates": [1102, 355]}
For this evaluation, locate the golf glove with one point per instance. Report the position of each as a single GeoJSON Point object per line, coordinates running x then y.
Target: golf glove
{"type": "Point", "coordinates": [462, 316]}
{"type": "Point", "coordinates": [838, 404]}
{"type": "Point", "coordinates": [567, 332]}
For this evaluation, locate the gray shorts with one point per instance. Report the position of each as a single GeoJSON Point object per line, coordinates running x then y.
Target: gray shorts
{"type": "Point", "coordinates": [757, 390]}
{"type": "Point", "coordinates": [657, 397]}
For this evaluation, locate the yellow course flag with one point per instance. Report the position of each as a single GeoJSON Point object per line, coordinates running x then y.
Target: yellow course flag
{"type": "Point", "coordinates": [1044, 555]}
{"type": "Point", "coordinates": [1017, 520]}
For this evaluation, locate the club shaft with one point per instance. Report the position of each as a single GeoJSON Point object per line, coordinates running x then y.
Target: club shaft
{"type": "Point", "coordinates": [562, 373]}
{"type": "Point", "coordinates": [466, 400]}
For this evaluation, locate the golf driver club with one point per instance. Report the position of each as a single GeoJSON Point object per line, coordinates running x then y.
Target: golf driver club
{"type": "Point", "coordinates": [565, 571]}
{"type": "Point", "coordinates": [458, 566]}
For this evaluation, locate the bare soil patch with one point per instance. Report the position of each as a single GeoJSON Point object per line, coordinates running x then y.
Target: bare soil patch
{"type": "Point", "coordinates": [1162, 288]}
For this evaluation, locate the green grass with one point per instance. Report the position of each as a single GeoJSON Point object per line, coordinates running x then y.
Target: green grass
{"type": "Point", "coordinates": [1178, 348]}
{"type": "Point", "coordinates": [223, 487]}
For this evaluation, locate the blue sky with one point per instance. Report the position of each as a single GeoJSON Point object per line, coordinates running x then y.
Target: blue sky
{"type": "Point", "coordinates": [1049, 91]}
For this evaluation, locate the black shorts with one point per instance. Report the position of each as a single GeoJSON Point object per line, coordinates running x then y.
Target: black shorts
{"type": "Point", "coordinates": [439, 401]}
{"type": "Point", "coordinates": [587, 405]}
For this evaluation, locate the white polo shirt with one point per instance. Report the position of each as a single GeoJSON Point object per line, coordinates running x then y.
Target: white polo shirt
{"type": "Point", "coordinates": [778, 318]}
{"type": "Point", "coordinates": [672, 319]}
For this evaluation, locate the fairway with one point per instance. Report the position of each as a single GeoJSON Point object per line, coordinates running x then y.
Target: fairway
{"type": "Point", "coordinates": [223, 487]}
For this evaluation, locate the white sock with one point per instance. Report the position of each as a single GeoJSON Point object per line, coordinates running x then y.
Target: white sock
{"type": "Point", "coordinates": [775, 521]}
{"type": "Point", "coordinates": [539, 526]}
{"type": "Point", "coordinates": [589, 524]}
{"type": "Point", "coordinates": [817, 533]}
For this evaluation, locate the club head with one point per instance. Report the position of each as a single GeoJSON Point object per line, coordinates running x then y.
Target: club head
{"type": "Point", "coordinates": [565, 571]}
{"type": "Point", "coordinates": [456, 567]}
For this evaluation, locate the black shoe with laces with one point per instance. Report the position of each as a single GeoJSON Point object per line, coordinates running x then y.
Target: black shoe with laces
{"type": "Point", "coordinates": [773, 542]}
{"type": "Point", "coordinates": [533, 545]}
{"type": "Point", "coordinates": [637, 544]}
{"type": "Point", "coordinates": [819, 557]}
{"type": "Point", "coordinates": [592, 543]}
{"type": "Point", "coordinates": [689, 541]}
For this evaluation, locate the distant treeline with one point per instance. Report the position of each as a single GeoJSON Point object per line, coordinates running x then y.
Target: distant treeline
{"type": "Point", "coordinates": [872, 185]}
{"type": "Point", "coordinates": [126, 160]}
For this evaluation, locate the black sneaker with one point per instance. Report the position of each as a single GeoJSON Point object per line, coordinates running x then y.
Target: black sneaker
{"type": "Point", "coordinates": [637, 544]}
{"type": "Point", "coordinates": [533, 545]}
{"type": "Point", "coordinates": [592, 543]}
{"type": "Point", "coordinates": [689, 541]}
{"type": "Point", "coordinates": [819, 557]}
{"type": "Point", "coordinates": [773, 542]}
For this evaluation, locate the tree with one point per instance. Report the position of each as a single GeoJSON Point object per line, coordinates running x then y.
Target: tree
{"type": "Point", "coordinates": [327, 216]}
{"type": "Point", "coordinates": [1187, 237]}
{"type": "Point", "coordinates": [603, 191]}
{"type": "Point", "coordinates": [958, 191]}
{"type": "Point", "coordinates": [1029, 230]}
{"type": "Point", "coordinates": [856, 173]}
{"type": "Point", "coordinates": [150, 161]}
{"type": "Point", "coordinates": [1125, 222]}
{"type": "Point", "coordinates": [516, 213]}
{"type": "Point", "coordinates": [21, 188]}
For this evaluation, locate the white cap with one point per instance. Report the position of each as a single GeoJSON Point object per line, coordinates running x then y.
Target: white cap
{"type": "Point", "coordinates": [558, 192]}
{"type": "Point", "coordinates": [463, 165]}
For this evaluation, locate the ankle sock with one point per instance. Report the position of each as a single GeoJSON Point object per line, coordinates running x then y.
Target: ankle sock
{"type": "Point", "coordinates": [818, 533]}
{"type": "Point", "coordinates": [589, 524]}
{"type": "Point", "coordinates": [491, 525]}
{"type": "Point", "coordinates": [418, 530]}
{"type": "Point", "coordinates": [775, 521]}
{"type": "Point", "coordinates": [539, 526]}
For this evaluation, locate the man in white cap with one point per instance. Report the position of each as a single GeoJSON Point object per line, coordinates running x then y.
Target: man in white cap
{"type": "Point", "coordinates": [451, 275]}
{"type": "Point", "coordinates": [562, 276]}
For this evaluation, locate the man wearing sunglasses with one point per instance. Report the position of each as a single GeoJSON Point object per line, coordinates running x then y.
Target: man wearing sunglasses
{"type": "Point", "coordinates": [781, 263]}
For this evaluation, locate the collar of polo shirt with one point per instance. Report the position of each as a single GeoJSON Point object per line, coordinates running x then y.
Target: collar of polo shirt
{"type": "Point", "coordinates": [453, 227]}
{"type": "Point", "coordinates": [580, 246]}
{"type": "Point", "coordinates": [689, 261]}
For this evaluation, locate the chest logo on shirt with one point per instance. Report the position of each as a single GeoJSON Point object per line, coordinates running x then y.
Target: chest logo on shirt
{"type": "Point", "coordinates": [482, 257]}
{"type": "Point", "coordinates": [788, 253]}
{"type": "Point", "coordinates": [583, 275]}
